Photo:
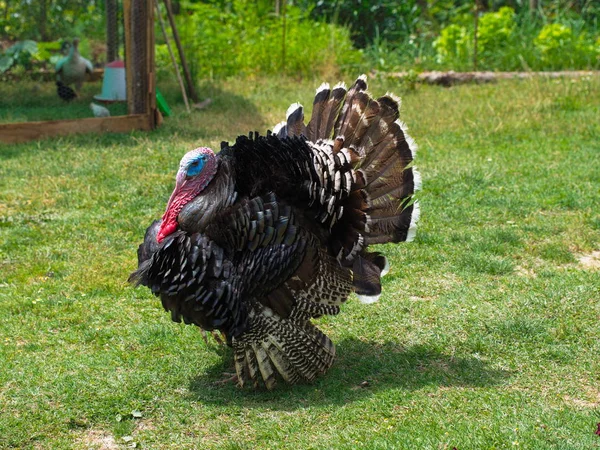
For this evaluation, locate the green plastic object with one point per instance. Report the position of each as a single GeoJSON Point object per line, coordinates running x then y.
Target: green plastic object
{"type": "Point", "coordinates": [162, 104]}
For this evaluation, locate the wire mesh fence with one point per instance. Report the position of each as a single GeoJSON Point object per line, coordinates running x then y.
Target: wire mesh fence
{"type": "Point", "coordinates": [59, 56]}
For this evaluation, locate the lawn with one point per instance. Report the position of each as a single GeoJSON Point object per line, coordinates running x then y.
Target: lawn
{"type": "Point", "coordinates": [486, 336]}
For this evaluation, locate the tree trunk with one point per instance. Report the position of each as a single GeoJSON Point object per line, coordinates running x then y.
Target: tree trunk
{"type": "Point", "coordinates": [533, 6]}
{"type": "Point", "coordinates": [476, 26]}
{"type": "Point", "coordinates": [43, 20]}
{"type": "Point", "coordinates": [284, 23]}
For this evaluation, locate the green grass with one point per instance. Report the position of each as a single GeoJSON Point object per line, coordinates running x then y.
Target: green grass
{"type": "Point", "coordinates": [28, 101]}
{"type": "Point", "coordinates": [486, 336]}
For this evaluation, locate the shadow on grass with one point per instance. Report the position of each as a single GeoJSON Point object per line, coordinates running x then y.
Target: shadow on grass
{"type": "Point", "coordinates": [383, 366]}
{"type": "Point", "coordinates": [227, 116]}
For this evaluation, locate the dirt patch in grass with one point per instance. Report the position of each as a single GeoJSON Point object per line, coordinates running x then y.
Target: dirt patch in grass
{"type": "Point", "coordinates": [584, 403]}
{"type": "Point", "coordinates": [525, 272]}
{"type": "Point", "coordinates": [97, 440]}
{"type": "Point", "coordinates": [591, 260]}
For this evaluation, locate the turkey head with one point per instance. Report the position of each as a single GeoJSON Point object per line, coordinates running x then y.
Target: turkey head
{"type": "Point", "coordinates": [196, 170]}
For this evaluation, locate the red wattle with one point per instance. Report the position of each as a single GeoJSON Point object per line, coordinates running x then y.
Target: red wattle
{"type": "Point", "coordinates": [166, 229]}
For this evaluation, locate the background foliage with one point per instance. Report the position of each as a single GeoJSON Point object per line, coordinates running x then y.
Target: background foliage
{"type": "Point", "coordinates": [226, 38]}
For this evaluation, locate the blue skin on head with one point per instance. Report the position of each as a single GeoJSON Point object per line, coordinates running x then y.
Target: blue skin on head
{"type": "Point", "coordinates": [196, 165]}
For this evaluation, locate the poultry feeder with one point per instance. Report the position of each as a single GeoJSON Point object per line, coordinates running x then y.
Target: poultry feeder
{"type": "Point", "coordinates": [113, 83]}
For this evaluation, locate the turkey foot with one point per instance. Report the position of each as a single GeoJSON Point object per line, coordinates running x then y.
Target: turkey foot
{"type": "Point", "coordinates": [215, 334]}
{"type": "Point", "coordinates": [228, 377]}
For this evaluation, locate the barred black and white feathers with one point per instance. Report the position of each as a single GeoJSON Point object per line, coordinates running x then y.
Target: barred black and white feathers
{"type": "Point", "coordinates": [274, 230]}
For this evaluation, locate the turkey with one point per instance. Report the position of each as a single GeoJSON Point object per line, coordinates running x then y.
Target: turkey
{"type": "Point", "coordinates": [273, 231]}
{"type": "Point", "coordinates": [73, 68]}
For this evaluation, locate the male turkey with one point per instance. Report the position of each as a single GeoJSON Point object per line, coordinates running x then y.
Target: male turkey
{"type": "Point", "coordinates": [273, 230]}
{"type": "Point", "coordinates": [73, 68]}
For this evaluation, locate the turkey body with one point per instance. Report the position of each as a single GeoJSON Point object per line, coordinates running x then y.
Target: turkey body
{"type": "Point", "coordinates": [274, 230]}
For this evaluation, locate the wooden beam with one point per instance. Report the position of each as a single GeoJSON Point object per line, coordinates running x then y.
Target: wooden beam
{"type": "Point", "coordinates": [26, 131]}
{"type": "Point", "coordinates": [173, 59]}
{"type": "Point", "coordinates": [150, 67]}
{"type": "Point", "coordinates": [186, 70]}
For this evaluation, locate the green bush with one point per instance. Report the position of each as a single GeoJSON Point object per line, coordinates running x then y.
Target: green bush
{"type": "Point", "coordinates": [454, 46]}
{"type": "Point", "coordinates": [21, 53]}
{"type": "Point", "coordinates": [506, 41]}
{"type": "Point", "coordinates": [494, 33]}
{"type": "Point", "coordinates": [560, 48]}
{"type": "Point", "coordinates": [247, 41]}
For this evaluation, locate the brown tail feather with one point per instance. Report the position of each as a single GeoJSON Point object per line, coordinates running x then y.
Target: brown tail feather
{"type": "Point", "coordinates": [318, 116]}
{"type": "Point", "coordinates": [359, 86]}
{"type": "Point", "coordinates": [332, 110]}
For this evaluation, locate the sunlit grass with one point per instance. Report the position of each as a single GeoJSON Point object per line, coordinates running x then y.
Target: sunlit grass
{"type": "Point", "coordinates": [486, 335]}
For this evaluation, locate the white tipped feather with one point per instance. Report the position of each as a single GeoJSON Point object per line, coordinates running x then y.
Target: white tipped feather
{"type": "Point", "coordinates": [368, 299]}
{"type": "Point", "coordinates": [341, 85]}
{"type": "Point", "coordinates": [417, 179]}
{"type": "Point", "coordinates": [386, 268]}
{"type": "Point", "coordinates": [323, 87]}
{"type": "Point", "coordinates": [293, 107]}
{"type": "Point", "coordinates": [395, 98]}
{"type": "Point", "coordinates": [412, 230]}
{"type": "Point", "coordinates": [412, 145]}
{"type": "Point", "coordinates": [277, 128]}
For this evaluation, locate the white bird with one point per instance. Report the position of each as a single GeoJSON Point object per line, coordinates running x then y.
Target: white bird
{"type": "Point", "coordinates": [99, 111]}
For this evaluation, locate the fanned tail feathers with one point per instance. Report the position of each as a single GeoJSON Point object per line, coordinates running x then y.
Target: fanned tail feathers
{"type": "Point", "coordinates": [366, 135]}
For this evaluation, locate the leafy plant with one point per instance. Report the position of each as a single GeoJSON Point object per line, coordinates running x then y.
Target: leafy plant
{"type": "Point", "coordinates": [559, 47]}
{"type": "Point", "coordinates": [47, 20]}
{"type": "Point", "coordinates": [495, 30]}
{"type": "Point", "coordinates": [453, 45]}
{"type": "Point", "coordinates": [387, 20]}
{"type": "Point", "coordinates": [21, 53]}
{"type": "Point", "coordinates": [509, 41]}
{"type": "Point", "coordinates": [247, 40]}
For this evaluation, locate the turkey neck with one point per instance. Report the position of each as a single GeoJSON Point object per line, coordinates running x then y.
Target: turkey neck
{"type": "Point", "coordinates": [219, 194]}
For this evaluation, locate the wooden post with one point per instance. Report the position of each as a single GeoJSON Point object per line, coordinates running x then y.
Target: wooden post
{"type": "Point", "coordinates": [139, 57]}
{"type": "Point", "coordinates": [112, 30]}
{"type": "Point", "coordinates": [186, 70]}
{"type": "Point", "coordinates": [136, 48]}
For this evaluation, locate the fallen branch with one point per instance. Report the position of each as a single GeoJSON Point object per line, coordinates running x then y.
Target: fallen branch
{"type": "Point", "coordinates": [452, 78]}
